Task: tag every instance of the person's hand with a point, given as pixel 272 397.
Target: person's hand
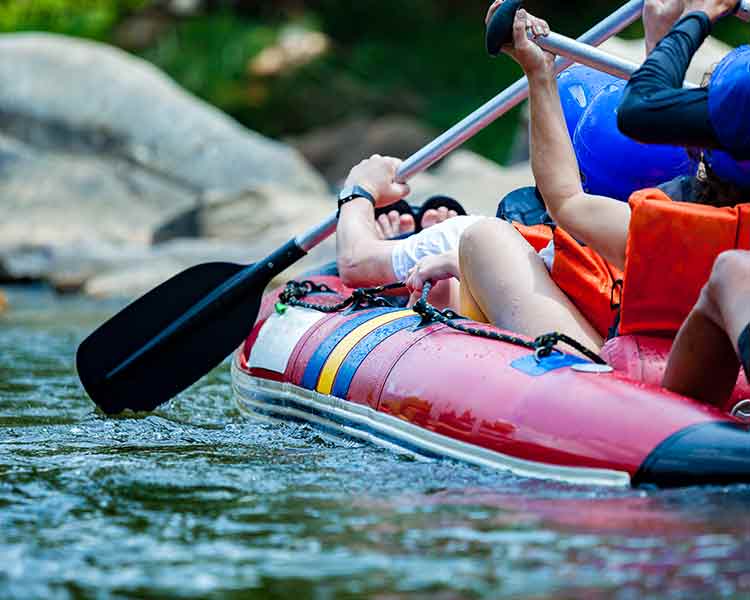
pixel 525 52
pixel 431 269
pixel 377 175
pixel 658 18
pixel 715 9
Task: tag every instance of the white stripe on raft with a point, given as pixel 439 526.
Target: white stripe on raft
pixel 279 337
pixel 349 419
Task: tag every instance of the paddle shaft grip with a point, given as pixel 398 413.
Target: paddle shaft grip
pixel 743 11
pixel 571 49
pixel 500 28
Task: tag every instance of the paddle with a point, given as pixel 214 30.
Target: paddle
pixel 500 33
pixel 168 339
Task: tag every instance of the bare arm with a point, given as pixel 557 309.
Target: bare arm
pixel 658 18
pixel 363 258
pixel 599 222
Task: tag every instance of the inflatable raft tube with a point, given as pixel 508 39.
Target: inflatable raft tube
pixel 378 375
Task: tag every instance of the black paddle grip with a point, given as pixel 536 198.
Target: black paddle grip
pixel 500 29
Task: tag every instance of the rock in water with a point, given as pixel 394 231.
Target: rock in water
pixel 99 148
pixel 3 301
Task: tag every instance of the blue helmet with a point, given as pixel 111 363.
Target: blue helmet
pixel 729 108
pixel 729 169
pixel 614 165
pixel 578 86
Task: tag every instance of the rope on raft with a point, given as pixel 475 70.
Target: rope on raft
pixel 543 346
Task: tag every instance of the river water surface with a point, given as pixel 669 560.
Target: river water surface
pixel 195 501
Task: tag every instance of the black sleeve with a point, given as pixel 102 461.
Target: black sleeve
pixel 655 108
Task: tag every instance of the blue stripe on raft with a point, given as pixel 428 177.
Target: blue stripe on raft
pixel 358 354
pixel 319 358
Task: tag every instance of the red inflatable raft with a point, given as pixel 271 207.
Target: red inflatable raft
pixel 377 374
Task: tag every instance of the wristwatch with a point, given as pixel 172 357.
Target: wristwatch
pixel 352 192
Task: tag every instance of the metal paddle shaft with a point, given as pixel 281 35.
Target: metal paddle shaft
pixel 168 339
pixel 485 115
pixel 512 96
pixel 591 57
pixel 500 33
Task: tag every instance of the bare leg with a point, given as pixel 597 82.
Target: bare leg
pixel 445 294
pixel 704 360
pixel 503 276
pixel 469 306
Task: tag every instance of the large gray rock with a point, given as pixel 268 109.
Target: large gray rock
pixel 78 95
pixel 98 150
pixel 52 199
pixel 273 213
pixel 333 150
pixel 133 275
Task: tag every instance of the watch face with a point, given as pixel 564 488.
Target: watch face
pixel 347 192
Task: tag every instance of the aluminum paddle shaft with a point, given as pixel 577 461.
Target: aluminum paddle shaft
pixel 483 116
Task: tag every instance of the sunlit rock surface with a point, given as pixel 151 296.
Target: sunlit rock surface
pixel 99 150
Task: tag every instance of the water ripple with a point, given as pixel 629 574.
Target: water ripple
pixel 193 501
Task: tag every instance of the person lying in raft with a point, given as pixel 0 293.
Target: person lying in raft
pixel 504 280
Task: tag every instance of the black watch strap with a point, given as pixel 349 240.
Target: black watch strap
pixel 354 192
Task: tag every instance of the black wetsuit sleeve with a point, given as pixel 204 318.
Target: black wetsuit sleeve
pixel 655 108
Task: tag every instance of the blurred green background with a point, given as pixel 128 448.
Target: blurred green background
pixel 422 58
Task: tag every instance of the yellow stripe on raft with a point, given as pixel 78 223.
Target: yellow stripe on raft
pixel 339 354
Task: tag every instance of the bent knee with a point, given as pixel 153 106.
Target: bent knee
pixel 486 233
pixel 730 275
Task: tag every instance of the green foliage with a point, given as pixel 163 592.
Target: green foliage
pixel 84 18
pixel 209 56
pixel 423 57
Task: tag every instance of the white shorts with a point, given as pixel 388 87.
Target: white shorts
pixel 440 239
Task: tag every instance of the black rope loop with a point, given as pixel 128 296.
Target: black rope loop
pixel 543 346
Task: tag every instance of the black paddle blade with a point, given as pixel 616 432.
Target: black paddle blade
pixel 500 29
pixel 171 337
pixel 160 375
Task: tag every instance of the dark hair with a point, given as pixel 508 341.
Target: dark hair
pixel 713 190
pixel 709 188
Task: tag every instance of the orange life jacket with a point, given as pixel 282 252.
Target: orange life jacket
pixel 671 250
pixel 539 236
pixel 586 278
pixel 591 283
